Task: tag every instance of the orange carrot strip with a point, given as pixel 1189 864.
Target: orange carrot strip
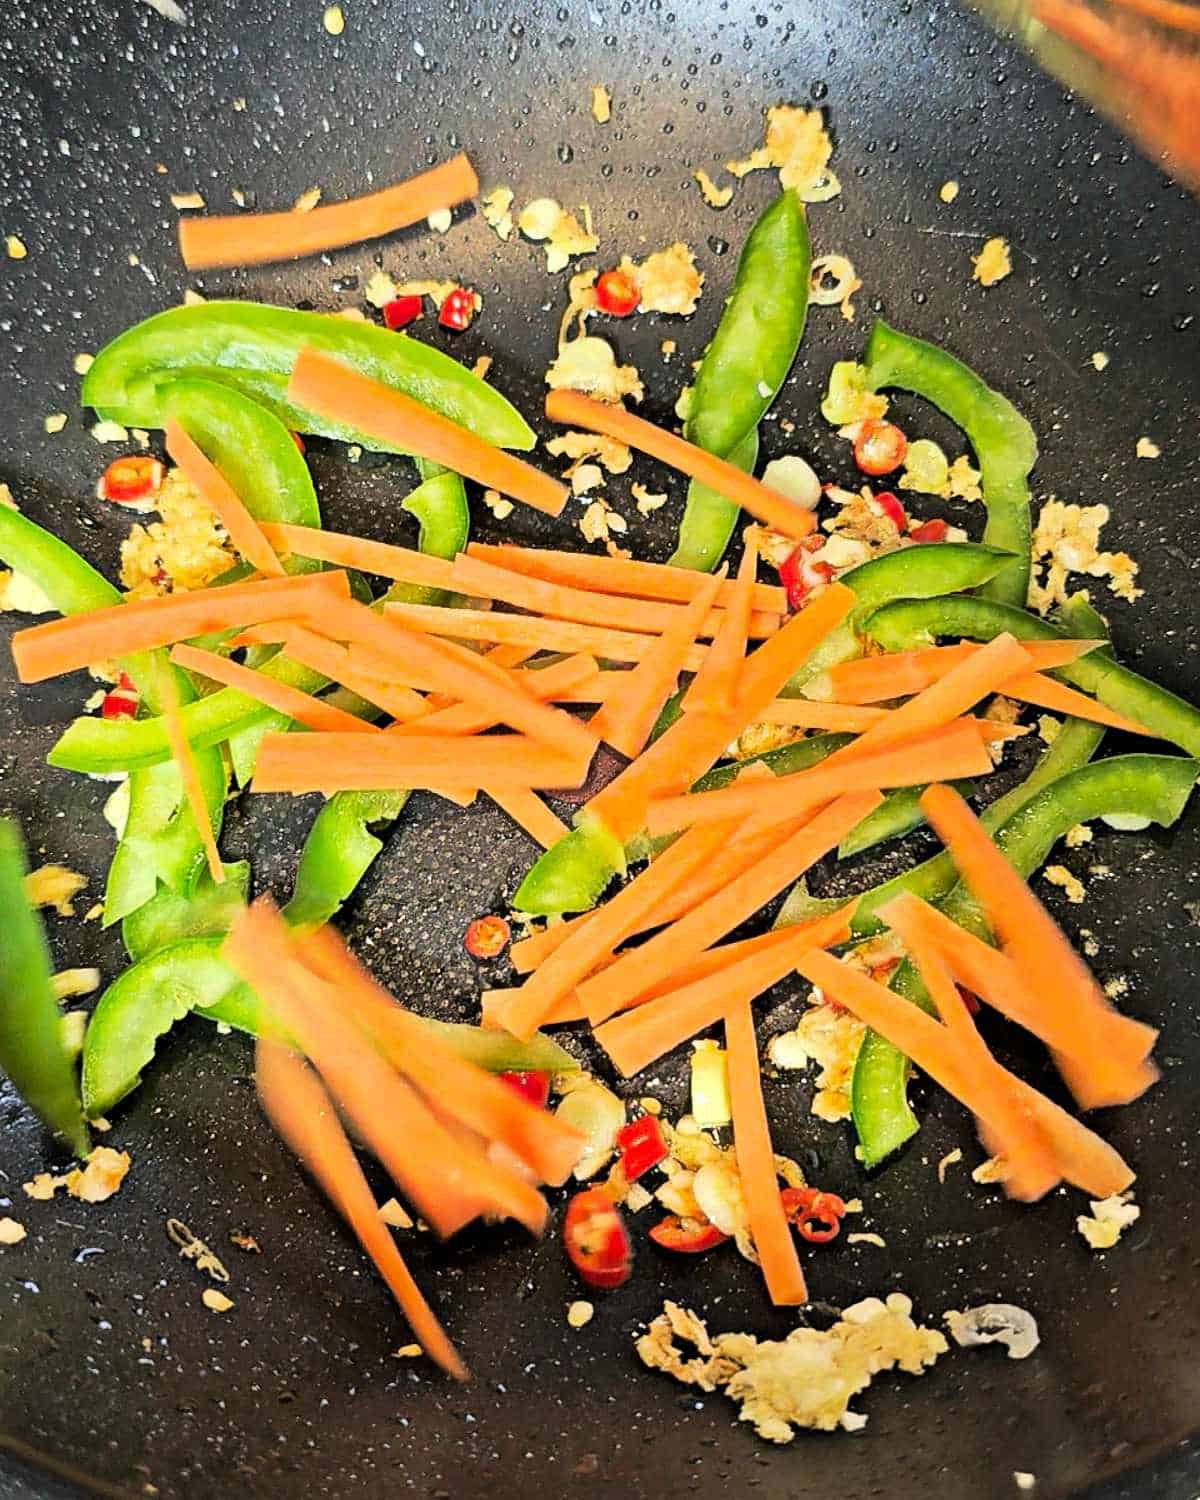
pixel 1084 1159
pixel 759 500
pixel 554 980
pixel 303 1113
pixel 494 1003
pixel 871 679
pixel 401 563
pixel 181 753
pixel 464 1091
pixel 628 714
pixel 216 491
pixel 256 239
pixel 769 1227
pixel 713 689
pixel 484 580
pixel 839 718
pixel 544 683
pixel 142 624
pixel 310 650
pixel 1025 929
pixel 723 977
pixel 531 630
pixel 618 575
pixel 303 707
pixel 529 812
pixel 1046 692
pixel 951 751
pixel 636 971
pixel 331 389
pixel 695 741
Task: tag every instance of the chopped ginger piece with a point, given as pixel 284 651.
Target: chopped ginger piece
pixel 499 506
pixel 714 196
pixel 601 104
pixel 56 886
pixel 333 20
pixel 380 289
pixel 993 263
pixel 579 1314
pixel 1067 540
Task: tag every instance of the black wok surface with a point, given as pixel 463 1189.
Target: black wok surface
pixel 108 1360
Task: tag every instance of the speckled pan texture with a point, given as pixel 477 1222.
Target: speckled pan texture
pixel 108 1359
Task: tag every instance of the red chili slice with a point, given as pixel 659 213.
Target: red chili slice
pixel 641 1145
pixel 596 1240
pixel 532 1086
pixel 815 1215
pixel 617 294
pixel 457 310
pixel 401 311
pixel 487 937
pixel 688 1236
pixel 929 531
pixel 118 706
pixel 892 509
pixel 131 478
pixel 879 447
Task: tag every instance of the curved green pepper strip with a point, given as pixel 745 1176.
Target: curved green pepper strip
pixel 899 813
pixel 337 853
pixel 32 1051
pixel 439 503
pixel 1004 442
pixel 1145 786
pixel 253 346
pixel 744 366
pixel 168 917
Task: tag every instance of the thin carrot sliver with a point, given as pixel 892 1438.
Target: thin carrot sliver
pixel 185 761
pixel 1046 692
pixel 545 683
pixel 755 1155
pixel 78 641
pixel 765 504
pixel 871 679
pixel 308 649
pixel 216 491
pixel 257 239
pixel 296 1103
pixel 713 689
pixel 324 385
pixel 383 558
pixel 628 714
pixel 303 707
pixel 836 718
pixel 530 813
pixel 1083 1158
pixel 618 575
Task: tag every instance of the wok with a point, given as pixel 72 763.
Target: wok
pixel 111 1370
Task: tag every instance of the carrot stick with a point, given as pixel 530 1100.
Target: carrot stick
pixel 1027 932
pixel 627 716
pixel 77 641
pixel 310 650
pixel 764 504
pixel 718 979
pixel 484 580
pixel 494 1003
pixel 303 707
pixel 951 751
pixel 303 1113
pixel 636 971
pixel 257 239
pixel 401 563
pixel 1083 1158
pixel 544 683
pixel 618 575
pixel 331 389
pixel 1104 1061
pixel 694 743
pixel 839 718
pixel 1046 692
pixel 181 753
pixel 531 630
pixel 712 690
pixel 872 679
pixel 528 811
pixel 216 491
pixel 756 1164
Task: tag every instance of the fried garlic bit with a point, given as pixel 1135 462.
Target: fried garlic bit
pixel 547 220
pixel 191 1247
pixel 601 104
pixel 714 196
pixel 993 263
pixel 798 145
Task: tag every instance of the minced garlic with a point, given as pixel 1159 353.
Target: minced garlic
pixel 215 1301
pixel 798 144
pixel 14 247
pixel 380 289
pixel 333 20
pixel 1111 1217
pixel 588 364
pixel 1066 540
pixel 667 281
pixel 307 201
pixel 647 501
pixel 187 200
pixel 439 220
pixel 12 1232
pixel 56 886
pixel 830 1037
pixel 1146 448
pixel 1100 360
pixel 948 191
pixel 564 236
pixel 1070 884
pixel 186 549
pixel 993 263
pixel 601 104
pixel 579 1314
pixel 55 422
pixel 499 506
pixel 109 432
pixel 496 208
pixel 613 456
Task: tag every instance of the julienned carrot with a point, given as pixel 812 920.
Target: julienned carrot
pixel 471 678
pixel 769 1227
pixel 185 761
pixel 719 978
pixel 950 751
pixel 303 707
pixel 331 389
pixel 1047 692
pixel 641 968
pixel 494 1003
pixel 759 500
pixel 1103 1060
pixel 400 563
pixel 310 650
pixel 545 683
pixel 590 942
pixel 695 741
pixel 485 580
pixel 216 491
pixel 838 718
pixel 627 716
pixel 256 239
pixel 477 1099
pixel 871 679
pixel 1083 1158
pixel 713 689
pixel 1027 932
pixel 531 630
pixel 529 812
pixel 78 641
pixel 618 575
pixel 361 763
pixel 304 1115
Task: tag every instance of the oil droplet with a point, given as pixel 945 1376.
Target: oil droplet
pixel 566 153
pixel 820 89
pixel 717 245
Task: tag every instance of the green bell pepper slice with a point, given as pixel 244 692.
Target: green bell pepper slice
pixel 337 853
pixel 169 917
pixel 1004 442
